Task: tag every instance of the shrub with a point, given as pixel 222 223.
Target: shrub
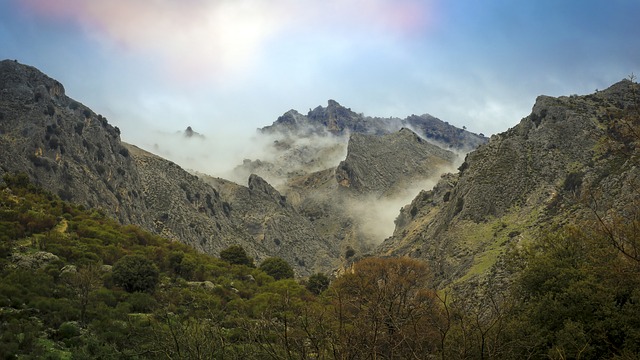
pixel 135 273
pixel 236 255
pixel 317 283
pixel 277 268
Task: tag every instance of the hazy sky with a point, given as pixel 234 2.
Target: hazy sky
pixel 229 66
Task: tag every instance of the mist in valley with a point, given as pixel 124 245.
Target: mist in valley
pixel 281 158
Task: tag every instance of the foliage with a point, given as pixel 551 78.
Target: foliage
pixel 384 307
pixel 135 273
pixel 277 268
pixel 317 283
pixel 576 296
pixel 236 255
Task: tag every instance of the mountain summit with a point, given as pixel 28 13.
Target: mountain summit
pixel 339 120
pixel 558 163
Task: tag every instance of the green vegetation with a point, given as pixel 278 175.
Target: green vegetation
pixel 135 273
pixel 76 285
pixel 318 283
pixel 236 255
pixel 277 268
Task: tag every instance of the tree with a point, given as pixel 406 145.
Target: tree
pixel 382 310
pixel 236 255
pixel 84 281
pixel 277 268
pixel 317 283
pixel 136 273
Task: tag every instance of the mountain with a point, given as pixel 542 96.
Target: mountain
pixel 69 150
pixel 64 146
pixel 355 202
pixel 555 167
pixel 298 145
pixel 387 164
pixel 339 120
pixel 75 153
pixel 529 249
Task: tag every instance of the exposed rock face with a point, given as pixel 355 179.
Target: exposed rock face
pixel 303 144
pixel 338 120
pixel 385 164
pixel 378 176
pixel 523 181
pixel 64 146
pixel 183 208
pixel 69 150
pixel 275 225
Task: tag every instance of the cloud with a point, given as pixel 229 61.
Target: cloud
pixel 224 36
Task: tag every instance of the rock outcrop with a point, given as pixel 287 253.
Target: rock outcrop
pixel 275 225
pixel 525 181
pixel 339 120
pixel 69 150
pixel 384 165
pixel 64 146
pixel 353 202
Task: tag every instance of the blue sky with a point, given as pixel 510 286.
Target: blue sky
pixel 228 67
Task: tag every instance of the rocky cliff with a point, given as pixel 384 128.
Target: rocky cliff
pixel 64 146
pixel 385 165
pixel 69 150
pixel 533 177
pixel 339 120
pixel 355 203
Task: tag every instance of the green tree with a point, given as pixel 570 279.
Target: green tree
pixel 236 255
pixel 277 268
pixel 136 273
pixel 317 283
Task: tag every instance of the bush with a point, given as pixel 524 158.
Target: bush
pixel 136 273
pixel 142 302
pixel 236 255
pixel 277 268
pixel 317 283
pixel 68 330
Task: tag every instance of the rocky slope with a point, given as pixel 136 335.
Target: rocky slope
pixel 303 144
pixel 64 146
pixel 356 202
pixel 69 150
pixel 339 120
pixel 385 165
pixel 534 176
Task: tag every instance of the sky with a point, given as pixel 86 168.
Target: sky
pixel 227 67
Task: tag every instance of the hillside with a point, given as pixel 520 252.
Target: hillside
pixel 529 250
pixel 76 284
pixel 69 150
pixel 73 152
pixel 551 169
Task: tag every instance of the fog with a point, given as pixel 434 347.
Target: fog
pixel 278 158
pixel 375 215
pixel 234 156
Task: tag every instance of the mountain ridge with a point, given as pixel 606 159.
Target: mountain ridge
pixel 523 182
pixel 73 152
pixel 339 120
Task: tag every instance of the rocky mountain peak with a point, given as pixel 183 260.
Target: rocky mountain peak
pixel 339 120
pixel 524 180
pixel 67 149
pixel 28 83
pixel 63 145
pixel 382 164
pixel 258 184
